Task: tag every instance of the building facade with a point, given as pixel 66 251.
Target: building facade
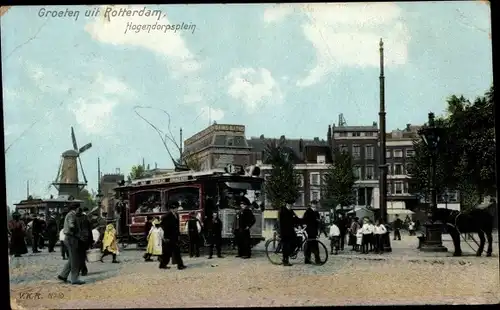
pixel 108 182
pixel 312 159
pixel 362 143
pixel 219 145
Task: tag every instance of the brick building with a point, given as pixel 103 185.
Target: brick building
pixel 219 145
pixel 362 143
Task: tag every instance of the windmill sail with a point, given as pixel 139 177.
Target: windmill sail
pixel 73 139
pixel 85 147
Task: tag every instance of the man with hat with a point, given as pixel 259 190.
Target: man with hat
pixel 311 219
pixel 86 239
pixel 72 237
pixel 194 230
pixel 51 232
pixel 246 221
pixel 287 220
pixel 170 247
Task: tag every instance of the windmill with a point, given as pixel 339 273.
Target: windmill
pixel 67 182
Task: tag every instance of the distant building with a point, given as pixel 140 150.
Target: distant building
pixel 312 159
pixel 107 184
pixel 219 145
pixel 362 143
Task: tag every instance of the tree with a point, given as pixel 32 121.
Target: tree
pixel 136 172
pixel 192 161
pixel 283 183
pixel 89 199
pixel 467 152
pixel 339 180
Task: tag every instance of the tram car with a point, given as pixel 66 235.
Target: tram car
pixel 57 207
pixel 202 192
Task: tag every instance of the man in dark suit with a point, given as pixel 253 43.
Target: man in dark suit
pixel 246 221
pixel 287 220
pixel 170 247
pixel 86 239
pixel 311 218
pixel 36 233
pixel 215 235
pixel 52 232
pixel 194 233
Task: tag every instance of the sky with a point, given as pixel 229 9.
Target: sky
pixel 282 69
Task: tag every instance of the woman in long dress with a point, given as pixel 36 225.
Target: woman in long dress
pixel 155 238
pixel 17 232
pixel 109 243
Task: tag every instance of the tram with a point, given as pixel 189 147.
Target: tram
pixel 201 192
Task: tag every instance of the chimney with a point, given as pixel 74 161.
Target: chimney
pixel 375 124
pixel 282 137
pixel 261 137
pixel 156 165
pixel 408 127
pixel 301 146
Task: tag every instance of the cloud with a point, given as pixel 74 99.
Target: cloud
pixel 211 114
pixel 193 98
pixel 169 44
pixel 347 35
pixel 93 114
pixel 253 87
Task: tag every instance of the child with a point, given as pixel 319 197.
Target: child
pixel 64 250
pixel 359 239
pixel 367 231
pixel 109 243
pixel 379 233
pixel 334 236
pixel 155 239
pixel 411 228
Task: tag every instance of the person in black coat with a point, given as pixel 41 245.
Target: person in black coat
pixel 194 230
pixel 287 220
pixel 214 233
pixel 17 230
pixel 246 221
pixel 170 247
pixel 343 225
pixel 52 233
pixel 311 219
pixel 86 239
pixel 36 233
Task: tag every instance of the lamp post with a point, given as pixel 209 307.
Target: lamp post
pixel 431 135
pixel 445 197
pixel 382 160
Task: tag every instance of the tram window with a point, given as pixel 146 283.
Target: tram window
pixel 188 197
pixel 148 202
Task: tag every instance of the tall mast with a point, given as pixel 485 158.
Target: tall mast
pixel 27 189
pixel 180 147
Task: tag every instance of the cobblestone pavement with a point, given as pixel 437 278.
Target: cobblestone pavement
pixel 404 276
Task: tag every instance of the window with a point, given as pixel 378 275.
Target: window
pixel 408 168
pixel 369 151
pixel 315 195
pixel 398 153
pixel 410 153
pixel 187 197
pixel 369 134
pixel 369 172
pixel 344 148
pixel 398 187
pixel 300 200
pixel 342 134
pixel 398 169
pixel 356 151
pixel 320 159
pixel 357 172
pixel 314 179
pixel 356 134
pixel 301 179
pixel 388 154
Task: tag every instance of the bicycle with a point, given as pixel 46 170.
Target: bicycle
pixel 274 248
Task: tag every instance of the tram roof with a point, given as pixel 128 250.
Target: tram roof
pixel 185 176
pixel 36 201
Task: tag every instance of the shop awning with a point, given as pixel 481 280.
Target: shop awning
pixel 399 211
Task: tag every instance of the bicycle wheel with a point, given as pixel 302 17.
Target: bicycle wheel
pixel 274 251
pixel 322 251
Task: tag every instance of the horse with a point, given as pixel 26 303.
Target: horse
pixel 477 220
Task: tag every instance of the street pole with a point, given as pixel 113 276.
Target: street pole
pixel 433 235
pixel 382 161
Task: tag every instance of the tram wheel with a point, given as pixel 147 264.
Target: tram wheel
pixel 322 251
